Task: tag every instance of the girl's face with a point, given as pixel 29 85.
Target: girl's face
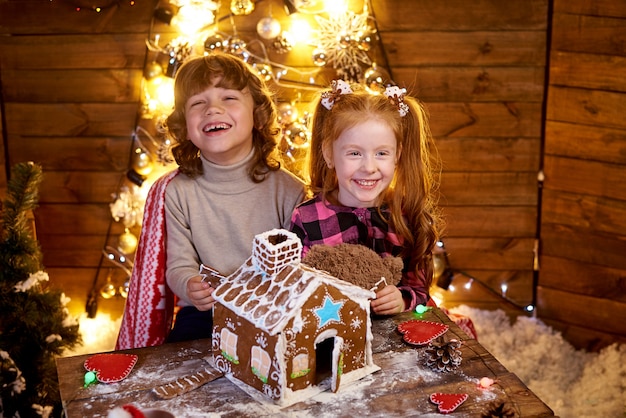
pixel 364 158
pixel 220 122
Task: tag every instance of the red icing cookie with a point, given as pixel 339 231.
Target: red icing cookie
pixel 421 332
pixel 448 402
pixel 110 367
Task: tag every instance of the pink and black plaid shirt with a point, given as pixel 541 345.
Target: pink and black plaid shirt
pixel 316 221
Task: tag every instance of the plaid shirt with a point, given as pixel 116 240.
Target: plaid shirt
pixel 316 221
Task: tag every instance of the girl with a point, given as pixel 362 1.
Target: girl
pixel 370 169
pixel 224 126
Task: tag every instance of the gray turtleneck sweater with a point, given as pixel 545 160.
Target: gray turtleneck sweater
pixel 212 219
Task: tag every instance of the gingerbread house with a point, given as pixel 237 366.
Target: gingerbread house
pixel 286 330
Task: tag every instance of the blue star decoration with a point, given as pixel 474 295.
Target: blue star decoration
pixel 329 311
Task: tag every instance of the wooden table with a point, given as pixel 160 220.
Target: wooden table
pixel 401 388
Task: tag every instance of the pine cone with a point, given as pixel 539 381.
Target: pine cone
pixel 443 356
pixel 498 410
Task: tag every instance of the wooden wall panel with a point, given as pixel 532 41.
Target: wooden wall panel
pixel 480 70
pixel 71 89
pixel 582 288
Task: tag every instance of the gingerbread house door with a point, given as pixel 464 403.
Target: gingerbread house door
pixel 328 361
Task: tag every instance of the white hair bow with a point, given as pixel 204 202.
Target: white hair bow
pixel 338 87
pixel 396 96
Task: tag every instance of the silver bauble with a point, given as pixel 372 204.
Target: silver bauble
pixel 214 42
pixel 142 162
pixel 287 113
pixel 376 79
pixel 268 28
pixel 319 57
pixel 152 70
pixel 297 136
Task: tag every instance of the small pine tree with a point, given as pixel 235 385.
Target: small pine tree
pixel 35 325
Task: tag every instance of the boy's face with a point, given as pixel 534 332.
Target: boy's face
pixel 364 158
pixel 220 122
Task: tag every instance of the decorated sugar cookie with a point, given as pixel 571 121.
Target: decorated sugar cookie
pixel 448 402
pixel 418 332
pixel 110 367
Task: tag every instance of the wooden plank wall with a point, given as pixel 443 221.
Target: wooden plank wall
pixel 582 280
pixel 70 82
pixel 480 70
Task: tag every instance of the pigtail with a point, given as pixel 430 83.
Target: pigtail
pixel 322 179
pixel 416 189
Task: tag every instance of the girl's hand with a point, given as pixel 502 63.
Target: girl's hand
pixel 199 293
pixel 388 301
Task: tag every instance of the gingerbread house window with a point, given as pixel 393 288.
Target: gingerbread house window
pixel 260 363
pixel 300 365
pixel 228 345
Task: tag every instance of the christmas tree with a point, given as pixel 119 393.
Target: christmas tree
pixel 35 325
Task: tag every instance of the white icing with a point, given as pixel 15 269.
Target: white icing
pixel 281 287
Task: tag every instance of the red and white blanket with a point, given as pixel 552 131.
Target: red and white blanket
pixel 149 308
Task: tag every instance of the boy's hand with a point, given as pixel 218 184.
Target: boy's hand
pixel 199 293
pixel 388 301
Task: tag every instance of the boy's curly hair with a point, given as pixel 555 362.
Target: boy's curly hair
pixel 226 71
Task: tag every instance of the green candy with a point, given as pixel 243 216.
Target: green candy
pixel 90 377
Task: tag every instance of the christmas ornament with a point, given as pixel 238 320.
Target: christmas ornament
pixel 268 28
pixel 178 51
pixel 364 40
pixel 264 71
pixel 111 367
pixel 127 242
pixel 340 35
pixel 214 42
pixel 282 44
pixel 448 402
pixel 376 78
pixel 287 113
pixel 297 136
pixel 142 162
pixel 241 7
pixel 420 332
pixel 443 356
pixel 108 290
pixel 236 46
pixel 152 70
pixel 319 57
pixel 123 290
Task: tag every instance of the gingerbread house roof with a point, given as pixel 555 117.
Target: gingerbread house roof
pixel 271 286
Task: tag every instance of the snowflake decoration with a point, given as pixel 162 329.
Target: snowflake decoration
pixel 339 36
pixel 261 340
pixel 359 359
pixel 230 324
pixel 356 323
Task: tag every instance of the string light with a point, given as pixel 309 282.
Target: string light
pixel 444 276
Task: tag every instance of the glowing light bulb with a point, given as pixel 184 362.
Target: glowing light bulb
pixel 485 383
pixel 420 309
pixel 335 7
pixel 300 29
